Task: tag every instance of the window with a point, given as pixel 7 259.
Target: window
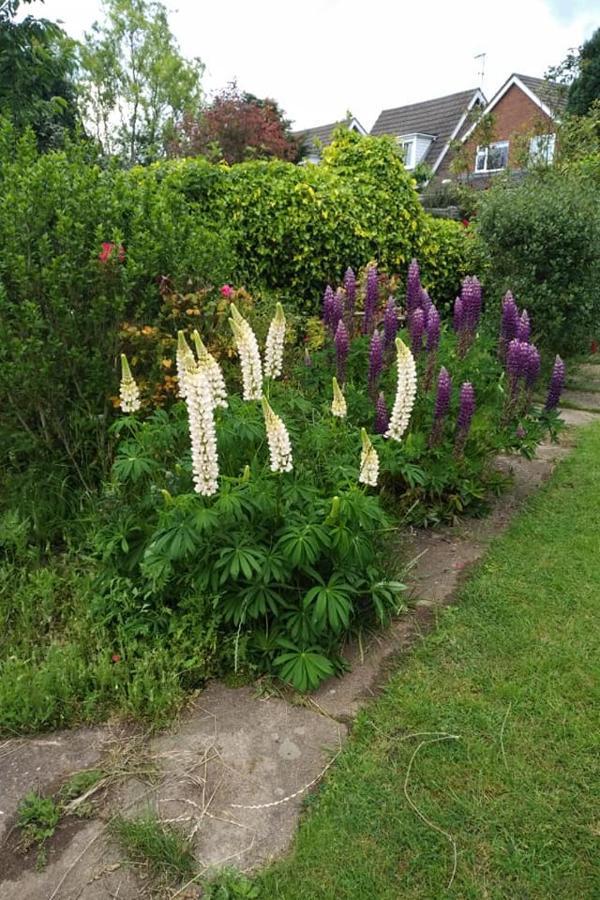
pixel 541 149
pixel 408 151
pixel 492 158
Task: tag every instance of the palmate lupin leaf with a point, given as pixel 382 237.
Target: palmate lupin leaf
pixel 304 668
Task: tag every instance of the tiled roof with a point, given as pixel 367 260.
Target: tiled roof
pixel 552 95
pixel 438 117
pixel 321 136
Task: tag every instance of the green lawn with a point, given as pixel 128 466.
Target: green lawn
pixel 513 670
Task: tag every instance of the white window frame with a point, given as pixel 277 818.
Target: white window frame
pixel 483 154
pixel 409 146
pixel 541 149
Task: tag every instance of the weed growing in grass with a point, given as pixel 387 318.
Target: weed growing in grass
pixel 163 849
pixel 37 818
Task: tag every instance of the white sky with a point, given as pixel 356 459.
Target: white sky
pixel 320 58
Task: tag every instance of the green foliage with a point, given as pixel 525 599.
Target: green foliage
pixel 165 850
pixel 37 818
pixel 543 241
pixel 585 88
pixel 132 71
pixel 37 67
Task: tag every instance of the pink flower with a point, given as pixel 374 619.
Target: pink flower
pixel 116 657
pixel 108 250
pixel 227 291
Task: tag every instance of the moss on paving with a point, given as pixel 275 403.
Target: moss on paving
pixel 513 669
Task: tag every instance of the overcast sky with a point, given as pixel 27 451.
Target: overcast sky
pixel 320 58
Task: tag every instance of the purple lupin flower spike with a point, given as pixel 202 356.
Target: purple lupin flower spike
pixel 337 310
pixel 458 317
pixel 426 303
pixel 471 298
pixel 342 346
pixel 514 359
pixel 510 318
pixel 433 329
pixel 416 327
pixel 532 369
pixel 413 286
pixel 390 323
pixel 327 304
pixel 371 298
pixel 524 327
pixel 375 359
pixel 442 405
pixel 350 288
pixel 382 416
pixel 557 381
pixel 466 411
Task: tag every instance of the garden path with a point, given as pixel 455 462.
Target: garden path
pixel 234 769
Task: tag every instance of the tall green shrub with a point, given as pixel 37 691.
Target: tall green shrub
pixel 543 241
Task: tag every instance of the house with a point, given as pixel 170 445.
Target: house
pixel 523 119
pixel 314 139
pixel 427 131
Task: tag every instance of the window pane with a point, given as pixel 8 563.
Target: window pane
pixel 498 156
pixel 480 159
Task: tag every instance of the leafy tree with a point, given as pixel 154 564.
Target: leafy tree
pixel 237 126
pixel 135 83
pixel 37 62
pixel 586 86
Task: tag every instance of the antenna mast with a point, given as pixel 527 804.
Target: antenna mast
pixel 481 73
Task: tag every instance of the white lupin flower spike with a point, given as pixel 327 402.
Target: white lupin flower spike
pixel 274 344
pixel 250 362
pixel 280 448
pixel 128 391
pixel 338 404
pixel 203 437
pixel 185 363
pixel 369 461
pixel 215 376
pixel 406 391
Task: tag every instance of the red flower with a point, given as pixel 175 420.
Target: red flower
pixel 108 250
pixel 227 291
pixel 116 657
pixel 465 222
pixel 594 347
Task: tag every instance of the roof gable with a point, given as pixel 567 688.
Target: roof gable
pixel 442 117
pixel 547 96
pixel 322 135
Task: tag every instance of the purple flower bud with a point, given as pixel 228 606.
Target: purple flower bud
pixel 416 327
pixel 510 318
pixel 382 417
pixel 371 298
pixel 442 397
pixel 532 365
pixel 523 327
pixel 413 286
pixel 466 407
pixel 350 288
pixel 390 322
pixel 471 300
pixel 327 304
pixel 375 358
pixel 342 346
pixel 557 382
pixel 337 310
pixel 458 318
pixel 433 329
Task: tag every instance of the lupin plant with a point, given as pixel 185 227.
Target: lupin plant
pixel 468 313
pixel 195 383
pixel 250 361
pixel 350 290
pixel 342 347
pixel 328 296
pixel 458 318
pixel 339 408
pixel 337 310
pixel 413 286
pixel 375 361
pixel 524 328
pixel 416 327
pixel 382 416
pixel 557 382
pixel 129 393
pixel 406 389
pixel 442 405
pixel 280 448
pixel 509 324
pixel 369 461
pixel 371 299
pixel 275 343
pixel 213 370
pixel 390 323
pixel 433 332
pixel 466 411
